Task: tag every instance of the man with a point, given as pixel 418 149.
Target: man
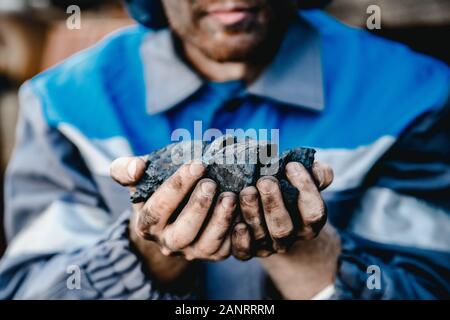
pixel 375 111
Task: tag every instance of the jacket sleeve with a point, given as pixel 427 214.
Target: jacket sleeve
pixel 63 241
pixel 401 229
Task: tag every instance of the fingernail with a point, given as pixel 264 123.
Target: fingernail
pixel 293 169
pixel 196 169
pixel 228 202
pixel 132 168
pixel 208 188
pixel 250 199
pixel 266 186
pixel 241 230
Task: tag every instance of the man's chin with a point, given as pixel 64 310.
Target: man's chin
pixel 235 50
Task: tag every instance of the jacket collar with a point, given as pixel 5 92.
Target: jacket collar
pixel 294 77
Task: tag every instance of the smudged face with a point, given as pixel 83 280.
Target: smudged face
pixel 228 30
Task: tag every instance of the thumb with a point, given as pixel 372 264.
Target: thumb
pixel 127 170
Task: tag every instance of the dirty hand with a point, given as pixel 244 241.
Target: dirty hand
pixel 267 226
pixel 193 234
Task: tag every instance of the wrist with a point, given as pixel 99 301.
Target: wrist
pixel 308 267
pixel 164 269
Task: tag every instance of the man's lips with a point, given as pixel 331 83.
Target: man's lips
pixel 230 14
pixel 230 17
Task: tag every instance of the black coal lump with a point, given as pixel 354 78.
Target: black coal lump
pixel 232 164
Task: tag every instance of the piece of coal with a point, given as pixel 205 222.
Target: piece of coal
pixel 232 164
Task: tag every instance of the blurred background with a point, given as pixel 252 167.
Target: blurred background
pixel 34 36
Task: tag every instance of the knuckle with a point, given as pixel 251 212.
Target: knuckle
pixel 160 207
pixel 175 182
pixel 222 226
pixel 253 220
pixel 174 241
pixel 219 224
pixel 144 227
pixel 271 204
pixel 202 202
pixel 319 214
pixel 282 234
pixel 149 217
pixel 304 175
pixel 178 243
pixel 158 204
pixel 224 220
pixel 305 184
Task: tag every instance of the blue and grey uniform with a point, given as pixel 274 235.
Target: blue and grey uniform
pixel 375 111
